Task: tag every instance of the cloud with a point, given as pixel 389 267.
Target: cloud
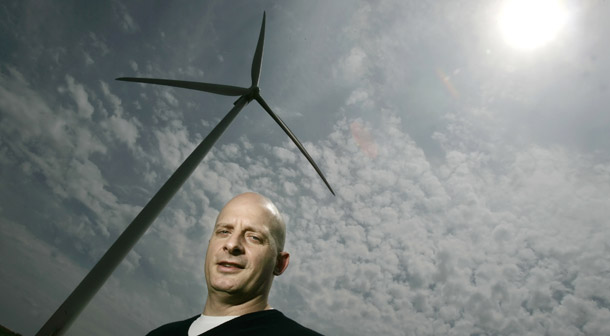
pixel 353 66
pixel 79 95
pixel 122 129
pixel 98 44
pixel 174 144
pixel 126 21
pixel 58 144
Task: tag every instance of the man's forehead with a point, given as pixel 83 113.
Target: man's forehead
pixel 251 203
pixel 245 213
pixel 244 210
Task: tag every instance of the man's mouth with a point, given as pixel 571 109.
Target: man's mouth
pixel 230 265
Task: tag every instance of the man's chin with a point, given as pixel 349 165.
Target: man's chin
pixel 229 287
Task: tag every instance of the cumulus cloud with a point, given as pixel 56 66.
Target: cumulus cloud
pixel 79 95
pixel 353 66
pixel 125 20
pixel 121 128
pixel 66 163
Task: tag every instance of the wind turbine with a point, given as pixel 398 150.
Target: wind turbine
pixel 60 321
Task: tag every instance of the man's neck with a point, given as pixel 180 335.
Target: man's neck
pixel 218 306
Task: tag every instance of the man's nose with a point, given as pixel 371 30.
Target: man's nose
pixel 234 244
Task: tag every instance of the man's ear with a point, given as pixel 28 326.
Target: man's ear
pixel 283 259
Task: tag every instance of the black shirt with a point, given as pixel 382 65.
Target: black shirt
pixel 265 322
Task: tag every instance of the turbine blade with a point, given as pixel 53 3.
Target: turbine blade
pixel 226 90
pixel 258 54
pixel 294 139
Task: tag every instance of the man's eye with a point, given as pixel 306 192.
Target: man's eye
pixel 256 238
pixel 222 231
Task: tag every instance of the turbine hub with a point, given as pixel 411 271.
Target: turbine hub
pixel 254 92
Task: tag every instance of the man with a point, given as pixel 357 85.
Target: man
pixel 245 252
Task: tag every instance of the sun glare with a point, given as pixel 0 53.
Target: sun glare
pixel 528 24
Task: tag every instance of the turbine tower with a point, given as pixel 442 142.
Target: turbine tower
pixel 60 321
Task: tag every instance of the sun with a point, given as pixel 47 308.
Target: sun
pixel 529 24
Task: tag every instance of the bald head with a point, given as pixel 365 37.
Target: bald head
pixel 245 253
pixel 259 205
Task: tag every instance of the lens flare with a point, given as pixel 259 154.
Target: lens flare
pixel 364 139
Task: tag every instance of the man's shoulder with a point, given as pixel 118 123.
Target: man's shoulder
pixel 298 328
pixel 174 328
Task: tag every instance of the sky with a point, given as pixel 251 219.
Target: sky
pixel 472 171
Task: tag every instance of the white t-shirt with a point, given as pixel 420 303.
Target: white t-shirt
pixel 204 323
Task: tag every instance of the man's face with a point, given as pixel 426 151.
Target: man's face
pixel 242 253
